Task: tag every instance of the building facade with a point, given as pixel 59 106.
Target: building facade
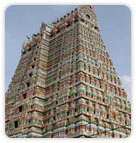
pixel 65 84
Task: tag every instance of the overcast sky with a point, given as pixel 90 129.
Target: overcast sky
pixel 114 23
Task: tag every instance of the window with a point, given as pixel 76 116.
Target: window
pixel 88 16
pixel 24 96
pixel 30 121
pixel 32 66
pixel 82 20
pixel 30 74
pixel 29 49
pixel 20 108
pixel 95 27
pixel 28 84
pixel 16 124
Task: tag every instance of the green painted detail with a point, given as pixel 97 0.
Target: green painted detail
pixel 50 25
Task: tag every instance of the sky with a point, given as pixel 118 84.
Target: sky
pixel 114 24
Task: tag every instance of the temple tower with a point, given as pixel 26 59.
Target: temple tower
pixel 66 85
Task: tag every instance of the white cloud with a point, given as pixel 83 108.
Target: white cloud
pixel 126 81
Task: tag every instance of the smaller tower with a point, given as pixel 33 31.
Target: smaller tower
pixel 27 89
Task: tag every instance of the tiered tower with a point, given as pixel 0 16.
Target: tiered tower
pixel 66 85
